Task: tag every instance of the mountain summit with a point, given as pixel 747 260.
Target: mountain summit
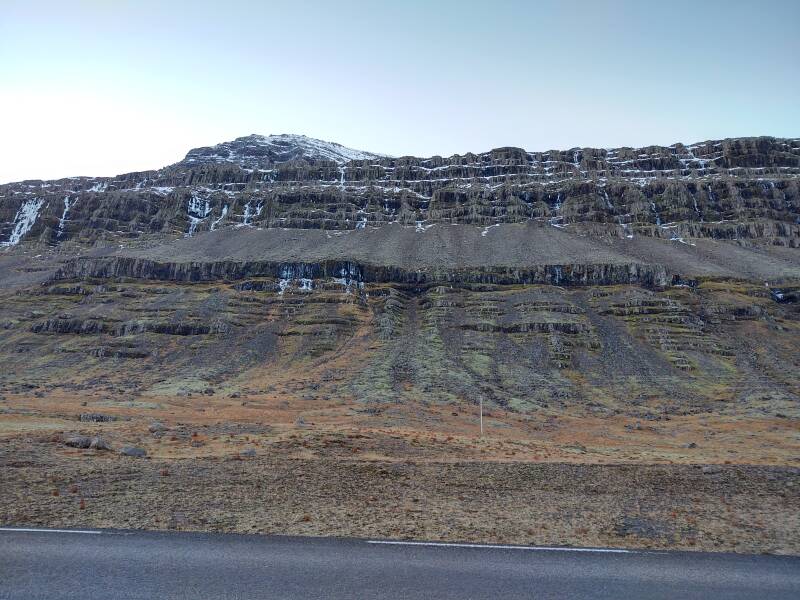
pixel 260 151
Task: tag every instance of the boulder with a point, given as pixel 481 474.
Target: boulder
pixel 78 441
pixel 157 427
pixel 133 451
pixel 98 443
pixel 85 442
pixel 96 418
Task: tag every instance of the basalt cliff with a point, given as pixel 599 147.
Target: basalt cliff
pixel 650 281
pixel 736 189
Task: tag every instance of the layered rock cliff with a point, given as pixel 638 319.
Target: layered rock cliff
pixel 738 189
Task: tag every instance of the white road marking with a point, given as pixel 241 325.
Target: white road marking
pixel 384 542
pixel 503 547
pixel 31 530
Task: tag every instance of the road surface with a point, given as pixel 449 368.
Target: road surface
pixel 120 564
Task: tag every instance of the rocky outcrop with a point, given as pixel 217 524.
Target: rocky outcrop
pixel 357 273
pixel 530 327
pixel 95 327
pixel 746 188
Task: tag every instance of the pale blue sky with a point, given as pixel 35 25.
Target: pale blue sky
pixel 103 87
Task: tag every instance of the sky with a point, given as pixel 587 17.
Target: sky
pixel 91 87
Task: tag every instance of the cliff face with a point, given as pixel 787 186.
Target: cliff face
pixel 651 281
pixel 741 189
pixel 358 274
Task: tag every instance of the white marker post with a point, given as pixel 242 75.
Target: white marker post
pixel 481 405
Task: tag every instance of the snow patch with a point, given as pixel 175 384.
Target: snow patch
pixel 221 217
pixel 63 218
pixel 249 213
pixel 557 220
pixel 301 273
pixel 349 276
pixel 628 230
pixel 285 147
pixel 676 238
pixel 486 229
pixel 609 206
pixel 655 211
pixel 24 220
pixel 198 209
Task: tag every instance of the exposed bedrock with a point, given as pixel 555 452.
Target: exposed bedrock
pixel 565 275
pixel 94 327
pixel 745 188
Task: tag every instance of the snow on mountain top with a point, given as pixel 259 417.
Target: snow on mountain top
pixel 261 151
pixel 314 148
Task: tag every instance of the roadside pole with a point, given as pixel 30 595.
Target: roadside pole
pixel 481 405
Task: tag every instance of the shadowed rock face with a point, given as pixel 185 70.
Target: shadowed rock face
pixel 580 274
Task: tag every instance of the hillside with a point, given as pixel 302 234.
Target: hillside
pixel 306 301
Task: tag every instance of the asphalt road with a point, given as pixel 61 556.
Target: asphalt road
pixel 122 565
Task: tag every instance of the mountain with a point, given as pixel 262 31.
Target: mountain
pixel 730 189
pixel 262 152
pixel 307 339
pixel 652 282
